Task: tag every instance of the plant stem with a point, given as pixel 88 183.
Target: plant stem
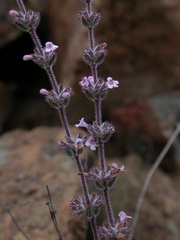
pixel 98 115
pixel 21 6
pixel 53 214
pixel 64 122
pixel 17 225
pixel 149 176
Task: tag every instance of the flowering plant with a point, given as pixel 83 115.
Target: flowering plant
pixel 95 89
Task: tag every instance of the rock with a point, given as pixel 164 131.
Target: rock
pixel 143 42
pixel 28 162
pixel 31 159
pixel 7 30
pixel 159 217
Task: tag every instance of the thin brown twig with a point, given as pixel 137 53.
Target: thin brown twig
pixel 53 214
pixel 17 225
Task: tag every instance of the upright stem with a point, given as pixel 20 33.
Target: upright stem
pixel 109 206
pixel 98 119
pixel 36 40
pixel 52 78
pixel 64 122
pixel 21 6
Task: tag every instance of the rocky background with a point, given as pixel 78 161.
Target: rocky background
pixel 143 44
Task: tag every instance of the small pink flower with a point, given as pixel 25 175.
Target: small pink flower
pixel 91 143
pixel 122 169
pixel 27 57
pixel 66 95
pixel 44 92
pixel 86 80
pixel 13 13
pixel 122 216
pixel 79 143
pixel 114 165
pixel 118 169
pixel 112 83
pixel 82 123
pixel 50 47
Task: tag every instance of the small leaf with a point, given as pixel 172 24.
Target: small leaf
pixel 97 211
pixel 88 212
pixel 111 183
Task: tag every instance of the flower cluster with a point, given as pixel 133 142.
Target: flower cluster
pixel 92 89
pixel 57 98
pixel 96 89
pixel 46 58
pixel 89 20
pixel 95 56
pixel 107 176
pixel 25 21
pixel 118 231
pixel 78 205
pixel 73 146
pixel 103 131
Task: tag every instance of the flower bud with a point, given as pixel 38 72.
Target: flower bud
pixel 44 92
pixel 27 57
pixel 13 13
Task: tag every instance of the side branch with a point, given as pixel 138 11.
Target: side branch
pixel 53 214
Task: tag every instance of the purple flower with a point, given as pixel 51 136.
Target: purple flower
pixel 66 95
pixel 13 13
pixel 112 83
pixel 86 81
pixel 78 205
pixel 73 145
pixel 103 131
pixel 122 169
pixel 118 231
pixel 44 92
pixel 79 143
pixel 89 20
pixel 122 216
pixel 108 176
pixel 57 98
pixel 25 21
pixel 82 123
pixel 118 169
pixel 45 58
pixel 50 47
pixel 91 143
pixel 28 57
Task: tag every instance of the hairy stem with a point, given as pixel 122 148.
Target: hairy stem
pixel 64 121
pixel 98 113
pixel 21 6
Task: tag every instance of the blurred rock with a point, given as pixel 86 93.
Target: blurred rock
pixel 159 218
pixel 145 126
pixel 7 31
pixel 143 43
pixel 28 162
